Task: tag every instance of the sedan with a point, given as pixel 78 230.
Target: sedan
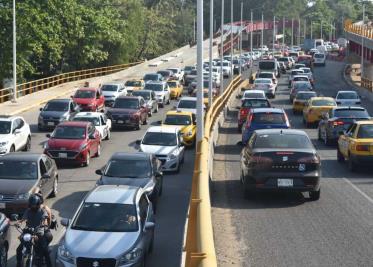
pixel 348 98
pixel 22 174
pixel 280 160
pixel 150 100
pixel 114 226
pixel 74 141
pixel 247 105
pixel 297 87
pixel 99 120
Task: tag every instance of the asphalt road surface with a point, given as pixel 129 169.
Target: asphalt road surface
pixel 286 229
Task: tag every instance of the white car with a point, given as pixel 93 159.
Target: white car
pixel 347 98
pixel 308 72
pixel 111 91
pixel 253 94
pixel 319 59
pixel 294 73
pixel 188 103
pixel 99 120
pixel 162 92
pixel 266 85
pixel 178 73
pixel 227 68
pixel 166 143
pixel 15 134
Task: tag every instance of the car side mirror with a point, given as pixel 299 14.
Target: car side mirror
pixel 99 172
pixel 17 131
pixel 138 142
pixel 41 109
pixel 149 226
pixel 65 222
pixel 48 135
pixel 14 217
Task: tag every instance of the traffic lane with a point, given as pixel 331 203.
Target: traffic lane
pixel 316 233
pixel 75 182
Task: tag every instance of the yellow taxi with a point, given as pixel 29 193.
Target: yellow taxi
pixel 301 98
pixel 134 85
pixel 356 145
pixel 187 122
pixel 315 108
pixel 176 89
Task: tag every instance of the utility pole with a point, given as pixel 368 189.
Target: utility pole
pixel 194 30
pixel 200 109
pixel 305 29
pixel 283 34
pixel 232 48
pixel 274 34
pixel 321 30
pixel 251 31
pixel 311 30
pixel 362 45
pixel 292 33
pixel 261 39
pixel 241 38
pixel 14 99
pixel 210 49
pixel 298 39
pixel 221 46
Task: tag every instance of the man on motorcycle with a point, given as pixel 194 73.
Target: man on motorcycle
pixel 34 217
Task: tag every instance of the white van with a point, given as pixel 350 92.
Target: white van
pixel 319 59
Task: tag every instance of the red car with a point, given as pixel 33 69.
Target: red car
pixel 73 141
pixel 89 99
pixel 247 105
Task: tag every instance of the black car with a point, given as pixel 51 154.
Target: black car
pixel 4 239
pixel 56 111
pixel 339 119
pixel 134 169
pixel 280 159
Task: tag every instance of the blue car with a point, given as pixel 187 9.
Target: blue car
pixel 264 118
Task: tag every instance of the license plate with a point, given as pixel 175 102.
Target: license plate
pixel 50 123
pixel 2 205
pixel 120 121
pixel 62 155
pixel 284 182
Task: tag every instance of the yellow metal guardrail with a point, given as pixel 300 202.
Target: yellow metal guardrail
pixel 199 241
pixel 366 83
pixel 359 29
pixel 45 83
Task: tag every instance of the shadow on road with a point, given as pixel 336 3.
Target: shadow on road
pixel 67 205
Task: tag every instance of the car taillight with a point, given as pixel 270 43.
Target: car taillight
pixel 249 121
pixel 338 123
pixel 362 147
pixel 311 159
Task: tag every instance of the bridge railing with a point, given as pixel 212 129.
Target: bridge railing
pixel 367 83
pixel 45 83
pixel 199 241
pixel 364 31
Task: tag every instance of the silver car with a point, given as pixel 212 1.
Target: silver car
pixel 150 100
pixel 113 227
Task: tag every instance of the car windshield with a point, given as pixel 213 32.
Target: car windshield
pixel 283 141
pixel 178 120
pixel 255 103
pixel 172 84
pixel 306 70
pixel 128 168
pixel 323 102
pixel 56 106
pixel 299 86
pixel 266 75
pixel 106 217
pixel 319 56
pixel 263 81
pixel 154 87
pixel 365 131
pixel 126 103
pixel 188 68
pixel 253 95
pixel 193 72
pixel 164 73
pixel 18 170
pixel 133 83
pixel 269 118
pixel 267 65
pixel 300 79
pixel 68 132
pixel 305 96
pixel 296 72
pixel 144 94
pixel 187 104
pixel 347 95
pixel 159 139
pixel 351 113
pixel 151 77
pixel 95 121
pixel 5 127
pixel 109 88
pixel 85 94
pixel 173 70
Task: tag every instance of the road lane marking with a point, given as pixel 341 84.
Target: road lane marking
pixel 359 190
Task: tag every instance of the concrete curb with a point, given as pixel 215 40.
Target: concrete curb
pixel 362 91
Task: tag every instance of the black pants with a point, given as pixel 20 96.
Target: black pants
pixel 41 248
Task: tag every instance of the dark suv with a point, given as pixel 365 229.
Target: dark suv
pixel 56 111
pixel 129 111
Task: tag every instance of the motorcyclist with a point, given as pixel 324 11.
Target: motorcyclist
pixel 34 217
pixel 51 220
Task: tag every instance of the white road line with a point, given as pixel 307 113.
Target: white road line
pixel 358 190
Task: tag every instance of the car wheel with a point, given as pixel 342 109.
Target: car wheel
pixel 150 113
pixel 55 188
pixel 145 122
pixel 314 195
pixel 178 168
pixel 108 135
pixel 151 245
pixel 351 164
pixel 340 157
pixel 319 135
pixel 138 127
pixel 12 149
pixel 168 101
pixel 98 153
pixel 28 144
pixel 3 256
pixel 87 160
pixel 156 109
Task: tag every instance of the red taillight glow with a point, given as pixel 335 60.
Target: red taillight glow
pixel 249 121
pixel 243 112
pixel 284 153
pixel 338 123
pixel 311 159
pixel 362 147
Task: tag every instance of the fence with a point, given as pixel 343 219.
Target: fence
pixel 45 83
pixel 360 30
pixel 199 242
pixel 366 83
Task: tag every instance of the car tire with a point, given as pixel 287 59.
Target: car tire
pixel 351 164
pixel 156 109
pixel 178 168
pixel 3 256
pixel 168 101
pixel 315 195
pixel 340 157
pixel 108 135
pixel 98 153
pixel 138 127
pixel 145 122
pixel 28 144
pixel 151 245
pixel 150 113
pixel 12 149
pixel 87 160
pixel 55 188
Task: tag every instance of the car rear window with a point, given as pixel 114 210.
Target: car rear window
pixel 351 113
pixel 365 131
pixel 283 141
pixel 253 95
pixel 265 75
pixel 323 102
pixel 319 56
pixel 255 103
pixel 269 118
pixel 347 96
pixel 300 79
pixel 305 96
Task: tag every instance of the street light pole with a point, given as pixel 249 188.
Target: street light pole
pixel 14 54
pixel 298 39
pixel 321 30
pixel 311 30
pixel 210 50
pixel 262 36
pixel 241 38
pixel 362 46
pixel 251 32
pixel 274 34
pixel 221 46
pixel 200 109
pixel 283 34
pixel 232 39
pixel 292 33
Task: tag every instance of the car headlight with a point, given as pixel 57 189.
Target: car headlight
pixel 4 143
pixel 23 196
pixel 46 146
pixel 131 256
pixel 83 146
pixel 65 254
pixel 190 133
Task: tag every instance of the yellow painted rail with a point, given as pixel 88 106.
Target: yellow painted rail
pixel 359 29
pixel 199 242
pixel 45 83
pixel 366 83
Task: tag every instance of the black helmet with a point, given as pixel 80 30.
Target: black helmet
pixel 34 201
pixel 40 196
